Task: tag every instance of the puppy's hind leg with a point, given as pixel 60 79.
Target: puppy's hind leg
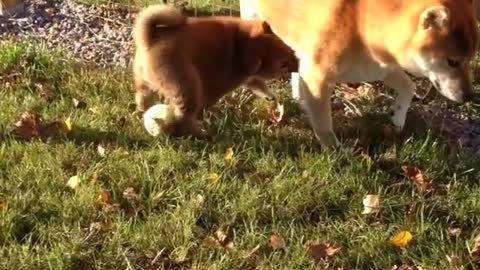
pixel 182 87
pixel 405 88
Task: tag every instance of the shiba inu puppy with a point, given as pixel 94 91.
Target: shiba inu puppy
pixel 193 62
pixel 369 40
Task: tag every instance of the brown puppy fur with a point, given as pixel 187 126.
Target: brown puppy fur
pixel 193 62
pixel 369 40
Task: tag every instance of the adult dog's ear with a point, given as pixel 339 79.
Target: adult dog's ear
pixel 266 28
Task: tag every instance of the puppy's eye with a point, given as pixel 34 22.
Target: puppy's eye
pixel 284 65
pixel 453 63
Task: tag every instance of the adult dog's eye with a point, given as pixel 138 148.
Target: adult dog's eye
pixel 453 63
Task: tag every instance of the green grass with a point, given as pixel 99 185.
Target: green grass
pixel 279 182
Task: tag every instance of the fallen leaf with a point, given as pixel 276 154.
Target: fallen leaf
pixel 73 182
pixel 251 253
pixel 278 111
pixel 122 121
pixel 104 197
pixel 101 150
pixel 416 175
pixel 44 92
pixel 159 195
pixel 213 178
pixel 29 126
pixel 198 200
pixel 219 239
pixel 94 110
pixel 277 242
pixel 95 227
pixel 3 206
pixel 476 250
pixel 454 261
pixel 371 204
pixel 79 104
pixel 321 252
pixel 229 154
pixel 130 194
pixel 401 239
pixel 68 125
pixel 405 267
pixel 455 232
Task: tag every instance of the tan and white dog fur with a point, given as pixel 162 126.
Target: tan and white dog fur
pixel 370 40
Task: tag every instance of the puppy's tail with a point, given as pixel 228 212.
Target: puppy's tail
pixel 153 18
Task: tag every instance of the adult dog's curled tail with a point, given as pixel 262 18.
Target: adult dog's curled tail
pixel 154 18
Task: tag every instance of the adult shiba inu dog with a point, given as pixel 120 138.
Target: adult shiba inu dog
pixel 367 40
pixel 193 62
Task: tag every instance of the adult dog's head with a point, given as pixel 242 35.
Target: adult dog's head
pixel 445 42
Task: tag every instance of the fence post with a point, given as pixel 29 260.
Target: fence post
pixel 11 7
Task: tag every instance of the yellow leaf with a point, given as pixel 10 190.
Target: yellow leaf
pixel 371 204
pixel 229 154
pixel 401 239
pixel 68 125
pixel 213 178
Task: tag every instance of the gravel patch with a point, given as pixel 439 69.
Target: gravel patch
pixel 92 34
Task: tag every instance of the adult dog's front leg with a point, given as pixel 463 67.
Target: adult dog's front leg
pixel 315 98
pixel 405 89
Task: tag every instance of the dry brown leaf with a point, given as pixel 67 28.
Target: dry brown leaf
pixel 278 110
pixel 277 242
pixel 219 239
pixel 30 126
pixel 101 150
pixel 130 194
pixel 321 252
pixel 455 232
pixel 79 104
pixel 251 253
pixel 476 250
pixel 454 261
pixel 229 154
pixel 44 91
pixel 198 200
pixel 122 122
pixel 104 197
pixel 3 206
pixel 416 175
pixel 371 204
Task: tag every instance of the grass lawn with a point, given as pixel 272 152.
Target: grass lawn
pixel 160 203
